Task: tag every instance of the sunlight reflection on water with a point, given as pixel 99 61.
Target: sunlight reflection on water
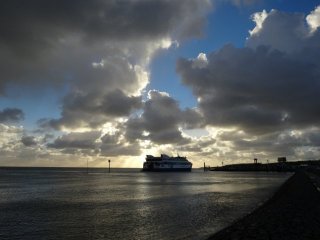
pixel 128 204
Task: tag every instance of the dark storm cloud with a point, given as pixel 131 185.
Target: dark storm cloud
pixel 191 118
pixel 199 145
pixel 93 109
pixel 266 94
pixel 97 97
pixel 134 129
pixel 284 143
pixel 115 103
pixel 91 143
pixel 38 23
pixel 270 86
pixel 28 141
pixel 293 31
pixel 168 136
pixel 257 90
pixel 120 150
pixel 11 114
pixel 160 112
pixel 161 119
pixel 34 34
pixel 93 47
pixel 76 140
pixel 115 145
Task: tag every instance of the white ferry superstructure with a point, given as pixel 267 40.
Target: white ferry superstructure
pixel 164 163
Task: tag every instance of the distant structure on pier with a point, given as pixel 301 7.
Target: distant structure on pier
pixel 255 160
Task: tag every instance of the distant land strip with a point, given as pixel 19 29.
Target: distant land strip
pixel 291 166
pixel 292 213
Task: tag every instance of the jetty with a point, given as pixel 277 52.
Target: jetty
pixel 282 165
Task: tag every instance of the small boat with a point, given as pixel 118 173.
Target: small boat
pixel 164 163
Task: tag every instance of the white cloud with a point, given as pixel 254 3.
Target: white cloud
pixel 201 61
pixel 9 134
pixel 313 19
pixel 258 18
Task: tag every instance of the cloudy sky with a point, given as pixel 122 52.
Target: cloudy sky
pixel 213 80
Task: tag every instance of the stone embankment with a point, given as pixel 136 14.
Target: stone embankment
pixel 292 213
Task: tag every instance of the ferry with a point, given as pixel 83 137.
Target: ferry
pixel 164 163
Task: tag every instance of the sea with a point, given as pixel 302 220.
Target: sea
pixel 75 203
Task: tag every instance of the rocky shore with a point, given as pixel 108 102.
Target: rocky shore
pixel 292 213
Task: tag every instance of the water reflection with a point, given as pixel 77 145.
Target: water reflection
pixel 127 205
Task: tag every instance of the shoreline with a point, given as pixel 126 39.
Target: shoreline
pixel 293 212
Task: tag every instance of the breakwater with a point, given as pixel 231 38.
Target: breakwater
pixel 273 167
pixel 292 213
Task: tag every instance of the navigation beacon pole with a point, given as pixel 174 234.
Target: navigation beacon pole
pixel 109 164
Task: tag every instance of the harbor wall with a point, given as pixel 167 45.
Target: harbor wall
pixel 279 167
pixel 292 213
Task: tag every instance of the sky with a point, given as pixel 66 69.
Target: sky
pixel 214 80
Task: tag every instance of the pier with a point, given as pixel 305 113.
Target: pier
pixel 280 166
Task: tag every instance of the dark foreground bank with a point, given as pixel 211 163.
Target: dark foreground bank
pixel 292 213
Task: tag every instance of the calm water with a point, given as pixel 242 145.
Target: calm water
pixel 126 204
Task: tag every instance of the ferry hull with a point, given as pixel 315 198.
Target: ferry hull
pixel 167 170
